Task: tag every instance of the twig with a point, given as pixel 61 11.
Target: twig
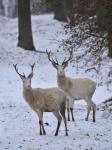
pixel 38 51
pixel 93 68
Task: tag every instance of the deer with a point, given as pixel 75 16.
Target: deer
pixel 44 100
pixel 75 88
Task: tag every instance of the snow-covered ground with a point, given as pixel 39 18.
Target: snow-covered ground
pixel 18 123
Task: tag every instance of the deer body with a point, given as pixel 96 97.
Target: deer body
pixel 44 100
pixel 76 89
pixel 79 88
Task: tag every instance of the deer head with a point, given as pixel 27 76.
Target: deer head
pixel 60 67
pixel 26 80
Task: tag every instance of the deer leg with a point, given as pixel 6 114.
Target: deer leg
pixel 94 111
pixel 40 115
pixel 44 132
pixel 68 112
pixel 68 109
pixel 58 116
pixel 58 126
pixel 71 103
pixel 71 109
pixel 40 124
pixel 62 111
pixel 88 110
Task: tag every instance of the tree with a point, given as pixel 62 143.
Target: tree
pixel 1 8
pixel 84 33
pixel 14 9
pixel 25 39
pixel 92 21
pixel 104 14
pixel 59 10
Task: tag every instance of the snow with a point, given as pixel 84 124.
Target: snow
pixel 19 127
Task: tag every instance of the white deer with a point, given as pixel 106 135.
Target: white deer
pixel 76 89
pixel 44 100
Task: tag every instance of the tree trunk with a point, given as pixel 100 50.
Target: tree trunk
pixel 109 39
pixel 59 10
pixel 14 12
pixel 25 39
pixel 1 8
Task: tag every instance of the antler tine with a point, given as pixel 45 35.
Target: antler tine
pixel 23 74
pixel 52 60
pixel 64 59
pixel 15 66
pixel 56 61
pixel 48 54
pixel 32 67
pixel 70 57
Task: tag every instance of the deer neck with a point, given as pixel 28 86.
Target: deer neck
pixel 62 82
pixel 28 96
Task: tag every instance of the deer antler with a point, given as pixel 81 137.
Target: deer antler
pixel 70 57
pixel 32 67
pixel 15 66
pixel 55 62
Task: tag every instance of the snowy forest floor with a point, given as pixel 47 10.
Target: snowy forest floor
pixel 18 123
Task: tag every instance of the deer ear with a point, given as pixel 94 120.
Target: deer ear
pixel 30 75
pixel 22 77
pixel 55 65
pixel 65 64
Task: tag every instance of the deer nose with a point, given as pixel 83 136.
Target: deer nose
pixel 29 86
pixel 61 72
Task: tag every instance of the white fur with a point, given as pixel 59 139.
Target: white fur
pixel 45 100
pixel 60 70
pixel 76 89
